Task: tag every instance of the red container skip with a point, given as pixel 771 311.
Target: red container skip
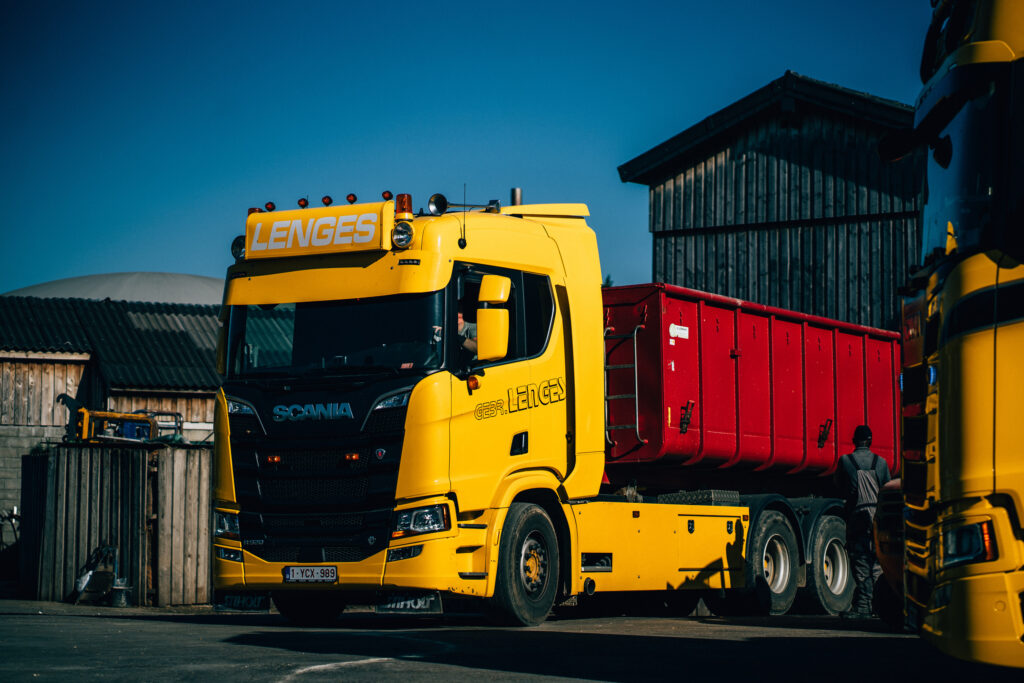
pixel 700 380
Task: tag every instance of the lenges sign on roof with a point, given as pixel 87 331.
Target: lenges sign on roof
pixel 332 229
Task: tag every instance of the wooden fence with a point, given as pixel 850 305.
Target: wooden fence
pixel 153 504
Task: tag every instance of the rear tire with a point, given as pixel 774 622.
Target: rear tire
pixel 772 565
pixel 309 608
pixel 528 566
pixel 770 572
pixel 829 581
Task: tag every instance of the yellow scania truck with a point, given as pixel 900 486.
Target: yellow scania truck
pixel 963 388
pixel 422 409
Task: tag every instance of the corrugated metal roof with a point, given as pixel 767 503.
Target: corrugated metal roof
pixel 783 94
pixel 138 345
pixel 48 325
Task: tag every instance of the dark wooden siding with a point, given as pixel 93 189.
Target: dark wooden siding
pixel 795 212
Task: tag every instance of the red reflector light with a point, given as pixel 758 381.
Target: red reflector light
pixel 386 194
pixel 326 199
pixel 303 203
pixel 350 198
pixel 273 459
pixel 403 203
pixel 270 206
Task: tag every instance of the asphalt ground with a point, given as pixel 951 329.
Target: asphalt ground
pixel 60 642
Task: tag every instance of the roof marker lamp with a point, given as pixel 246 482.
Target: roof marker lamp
pixel 351 198
pixel 238 247
pixel 303 203
pixel 402 234
pixel 387 196
pixel 270 206
pixel 326 199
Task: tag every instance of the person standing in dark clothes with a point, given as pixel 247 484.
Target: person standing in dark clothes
pixel 859 476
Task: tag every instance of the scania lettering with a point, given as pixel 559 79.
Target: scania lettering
pixel 319 411
pixel 591 445
pixel 964 338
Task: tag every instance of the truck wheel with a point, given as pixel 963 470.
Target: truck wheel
pixel 309 608
pixel 527 566
pixel 771 567
pixel 829 581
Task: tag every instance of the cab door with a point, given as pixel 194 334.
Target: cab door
pixel 515 417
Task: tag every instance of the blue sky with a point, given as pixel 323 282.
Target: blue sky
pixel 136 135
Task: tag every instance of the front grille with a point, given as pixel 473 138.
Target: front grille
pixel 280 525
pixel 293 553
pixel 915 476
pixel 299 462
pixel 386 420
pixel 313 491
pixel 344 554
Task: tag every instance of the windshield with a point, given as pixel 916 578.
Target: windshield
pixel 960 180
pixel 383 334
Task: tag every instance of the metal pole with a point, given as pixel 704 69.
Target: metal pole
pixel 516 197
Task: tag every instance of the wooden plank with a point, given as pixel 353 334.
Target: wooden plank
pixel 58 412
pixel 44 587
pixel 95 497
pixel 204 576
pixel 20 394
pixel 190 531
pixel 139 557
pixel 164 525
pixel 178 538
pixel 6 392
pixel 33 404
pixel 46 395
pixel 65 537
pixel 81 511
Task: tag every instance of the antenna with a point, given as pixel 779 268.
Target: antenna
pixel 462 239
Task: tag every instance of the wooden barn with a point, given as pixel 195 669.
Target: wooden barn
pixel 781 199
pixel 107 355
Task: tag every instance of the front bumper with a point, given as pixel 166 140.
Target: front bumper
pixel 983 620
pixel 455 561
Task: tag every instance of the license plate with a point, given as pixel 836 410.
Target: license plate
pixel 310 574
pixel 410 603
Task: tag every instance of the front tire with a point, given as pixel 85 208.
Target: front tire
pixel 830 582
pixel 528 566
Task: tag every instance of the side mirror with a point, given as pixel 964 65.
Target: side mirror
pixel 492 324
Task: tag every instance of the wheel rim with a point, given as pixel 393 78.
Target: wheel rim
pixel 776 564
pixel 533 564
pixel 835 567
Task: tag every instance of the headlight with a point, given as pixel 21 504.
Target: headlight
pixel 225 525
pixel 239 408
pixel 970 543
pixel 401 235
pixel 424 520
pixel 395 401
pixel 229 554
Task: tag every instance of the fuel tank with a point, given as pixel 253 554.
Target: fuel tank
pixel 697 380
